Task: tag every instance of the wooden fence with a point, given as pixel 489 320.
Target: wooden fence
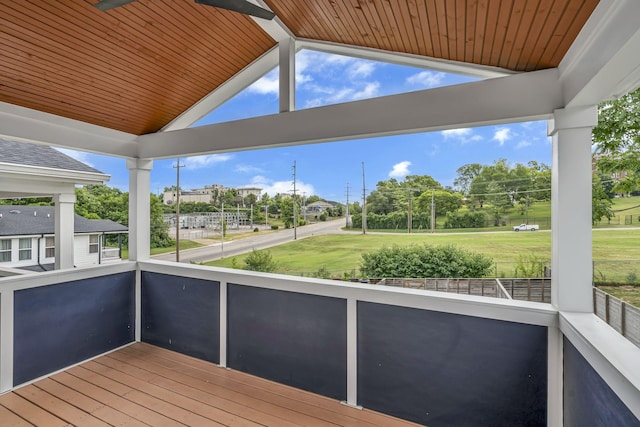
pixel 622 317
pixel 534 289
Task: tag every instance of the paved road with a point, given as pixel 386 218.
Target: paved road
pixel 236 247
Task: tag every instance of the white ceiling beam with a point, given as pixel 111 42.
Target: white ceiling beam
pixel 274 27
pixel 521 97
pixel 406 59
pixel 226 91
pixel 604 61
pixel 29 125
pixel 287 75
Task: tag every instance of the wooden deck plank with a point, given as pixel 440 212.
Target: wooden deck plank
pixel 142 385
pixel 297 417
pixel 9 419
pixel 92 385
pixel 82 401
pixel 30 412
pixel 59 407
pixel 299 400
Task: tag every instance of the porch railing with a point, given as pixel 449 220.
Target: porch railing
pixel 623 317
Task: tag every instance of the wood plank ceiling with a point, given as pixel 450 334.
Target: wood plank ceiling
pixel 137 67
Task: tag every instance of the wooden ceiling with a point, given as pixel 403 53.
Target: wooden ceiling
pixel 137 67
pixel 517 35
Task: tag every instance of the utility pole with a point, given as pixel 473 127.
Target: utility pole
pixel 409 217
pixel 222 232
pixel 347 212
pixel 304 208
pixel 295 217
pixel 251 216
pixel 177 167
pixel 266 216
pixel 433 212
pixel 364 203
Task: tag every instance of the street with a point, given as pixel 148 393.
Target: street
pixel 218 249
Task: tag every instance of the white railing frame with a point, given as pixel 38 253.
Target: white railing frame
pixel 613 357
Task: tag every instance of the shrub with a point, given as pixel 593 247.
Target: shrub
pixel 474 219
pixel 426 261
pixel 255 230
pixel 260 261
pixel 530 265
pixel 274 227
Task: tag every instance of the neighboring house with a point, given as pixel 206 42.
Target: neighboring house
pixel 319 206
pixel 34 170
pixel 208 194
pixel 27 238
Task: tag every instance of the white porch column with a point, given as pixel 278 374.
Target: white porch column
pixel 64 229
pixel 571 274
pixel 139 208
pixel 287 52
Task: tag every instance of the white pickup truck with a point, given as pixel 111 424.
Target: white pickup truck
pixel 525 227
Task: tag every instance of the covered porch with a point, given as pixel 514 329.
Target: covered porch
pixel 434 359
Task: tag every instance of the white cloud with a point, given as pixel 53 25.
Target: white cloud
pixel 370 90
pixel 198 162
pixel 244 168
pixel 268 84
pixel 400 170
pixel 502 135
pixel 427 79
pixel 361 69
pixel 80 156
pixel 463 135
pixel 523 144
pixel 283 187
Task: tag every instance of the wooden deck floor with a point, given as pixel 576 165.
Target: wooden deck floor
pixel 143 385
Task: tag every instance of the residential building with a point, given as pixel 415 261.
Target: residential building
pixel 130 82
pixel 27 239
pixel 208 194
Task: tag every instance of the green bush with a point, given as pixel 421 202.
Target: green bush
pixel 260 261
pixel 530 265
pixel 274 227
pixel 465 220
pixel 255 230
pixel 425 261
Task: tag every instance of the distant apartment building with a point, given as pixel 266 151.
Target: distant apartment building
pixel 208 194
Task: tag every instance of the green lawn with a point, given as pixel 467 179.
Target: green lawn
pixel 616 252
pixel 184 244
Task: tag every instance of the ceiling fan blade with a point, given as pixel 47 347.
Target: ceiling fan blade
pixel 242 6
pixel 110 4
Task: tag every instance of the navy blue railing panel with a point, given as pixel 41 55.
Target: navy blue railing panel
pixel 59 325
pixel 182 314
pixel 443 369
pixel 588 400
pixel 292 338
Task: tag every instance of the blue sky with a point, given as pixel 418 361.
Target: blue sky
pixel 325 169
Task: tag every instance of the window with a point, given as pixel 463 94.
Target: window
pixel 24 252
pixel 94 245
pixel 50 247
pixel 5 250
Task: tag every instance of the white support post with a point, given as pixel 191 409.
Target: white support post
pixel 571 185
pixel 352 353
pixel 139 208
pixel 6 340
pixel 64 230
pixel 287 51
pixel 223 324
pixel 554 377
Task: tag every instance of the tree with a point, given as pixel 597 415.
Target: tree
pixel 445 201
pixel 617 140
pixel 466 175
pixel 260 261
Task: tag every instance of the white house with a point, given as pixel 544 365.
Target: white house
pixel 27 233
pixel 27 239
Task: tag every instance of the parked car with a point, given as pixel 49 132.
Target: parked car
pixel 525 227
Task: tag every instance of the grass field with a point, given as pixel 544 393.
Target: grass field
pixel 615 251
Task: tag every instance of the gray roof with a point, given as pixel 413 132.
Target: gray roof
pixel 24 153
pixel 27 220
